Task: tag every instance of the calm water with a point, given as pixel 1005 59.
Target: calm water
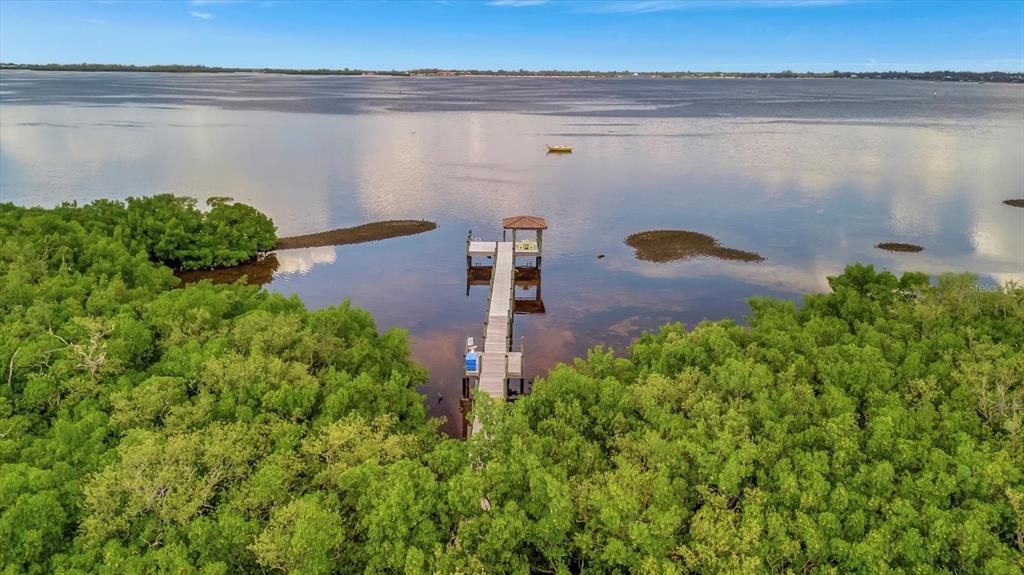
pixel 810 174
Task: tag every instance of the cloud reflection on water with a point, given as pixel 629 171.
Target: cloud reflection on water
pixel 302 261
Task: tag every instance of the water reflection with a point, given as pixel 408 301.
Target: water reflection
pixel 282 263
pixel 809 186
pixel 302 261
pixel 259 273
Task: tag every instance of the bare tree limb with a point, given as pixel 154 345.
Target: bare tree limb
pixel 10 366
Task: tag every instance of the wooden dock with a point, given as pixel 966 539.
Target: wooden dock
pixel 497 362
pixel 498 328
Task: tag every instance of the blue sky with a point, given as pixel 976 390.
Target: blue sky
pixel 742 35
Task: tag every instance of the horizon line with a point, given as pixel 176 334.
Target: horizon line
pixel 519 71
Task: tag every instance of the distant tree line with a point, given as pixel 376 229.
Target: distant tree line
pixel 938 75
pixel 180 68
pixel 935 75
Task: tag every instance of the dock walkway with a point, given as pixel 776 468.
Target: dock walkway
pixel 498 329
pixel 497 363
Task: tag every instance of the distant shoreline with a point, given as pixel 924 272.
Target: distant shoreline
pixel 939 75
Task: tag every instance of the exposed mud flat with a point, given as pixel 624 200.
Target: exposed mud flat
pixel 899 247
pixel 1017 203
pixel 673 245
pixel 365 233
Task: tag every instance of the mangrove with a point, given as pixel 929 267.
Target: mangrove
pixel 214 429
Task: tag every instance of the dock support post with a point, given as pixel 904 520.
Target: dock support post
pixel 466 407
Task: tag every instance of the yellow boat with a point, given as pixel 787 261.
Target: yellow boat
pixel 560 149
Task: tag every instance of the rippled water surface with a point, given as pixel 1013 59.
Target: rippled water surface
pixel 809 174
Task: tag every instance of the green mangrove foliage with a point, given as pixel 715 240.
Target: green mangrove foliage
pixel 222 429
pixel 150 429
pixel 170 229
pixel 879 429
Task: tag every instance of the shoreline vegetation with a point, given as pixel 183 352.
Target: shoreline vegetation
pixel 1016 203
pixel 228 429
pixel 936 75
pixel 174 230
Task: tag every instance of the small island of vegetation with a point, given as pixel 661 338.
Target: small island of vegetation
pixel 674 245
pixel 222 429
pixel 900 247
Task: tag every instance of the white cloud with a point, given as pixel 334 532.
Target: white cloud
pixel 516 3
pixel 202 15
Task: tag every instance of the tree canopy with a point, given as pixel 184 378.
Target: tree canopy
pixel 171 230
pixel 223 429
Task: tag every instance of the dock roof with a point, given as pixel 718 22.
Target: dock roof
pixel 524 223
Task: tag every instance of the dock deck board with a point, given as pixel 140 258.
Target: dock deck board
pixel 478 248
pixel 515 364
